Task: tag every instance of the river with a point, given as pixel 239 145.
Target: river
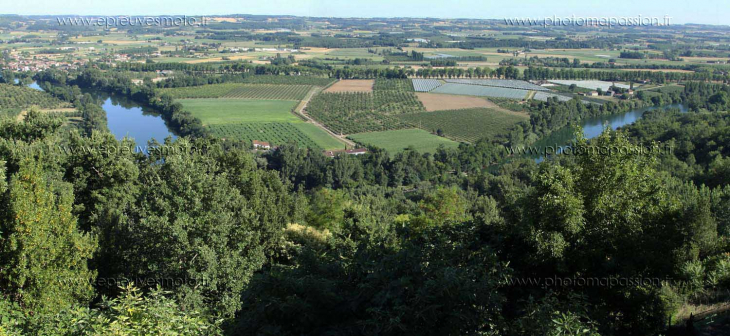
pixel 126 117
pixel 593 127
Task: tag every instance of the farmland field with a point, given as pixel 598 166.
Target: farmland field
pixel 281 92
pixel 223 111
pixel 288 80
pixel 396 141
pixel 246 91
pixel 437 102
pixel 669 89
pixel 352 85
pixel 425 85
pixel 467 124
pixel 15 98
pixel 277 133
pixel 357 112
pixel 323 139
pixel 479 90
pixel 505 83
pixel 396 102
pixel 393 84
pixel 543 96
pixel 264 120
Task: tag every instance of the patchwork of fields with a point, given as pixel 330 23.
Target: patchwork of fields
pixel 386 117
pixel 427 85
pixel 388 113
pixel 247 112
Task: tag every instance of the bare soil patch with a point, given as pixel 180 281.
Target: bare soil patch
pixel 438 102
pixel 352 85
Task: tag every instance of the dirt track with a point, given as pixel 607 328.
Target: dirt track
pixel 301 110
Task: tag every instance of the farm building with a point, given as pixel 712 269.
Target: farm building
pixel 333 153
pixel 357 151
pixel 261 145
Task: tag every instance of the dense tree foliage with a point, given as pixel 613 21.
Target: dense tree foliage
pixel 201 237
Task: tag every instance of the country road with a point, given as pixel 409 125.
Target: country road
pixel 301 110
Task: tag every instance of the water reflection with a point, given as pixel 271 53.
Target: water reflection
pixel 126 117
pixel 592 128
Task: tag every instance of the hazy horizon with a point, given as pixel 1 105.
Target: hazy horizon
pixel 682 12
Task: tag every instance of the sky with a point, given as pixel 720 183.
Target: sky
pixel 680 11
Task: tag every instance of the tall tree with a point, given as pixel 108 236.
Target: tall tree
pixel 43 255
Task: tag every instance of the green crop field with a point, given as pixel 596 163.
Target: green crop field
pixel 275 133
pixel 15 98
pixel 670 89
pixel 246 91
pixel 393 84
pixel 466 125
pixel 358 112
pixel 398 140
pixel 281 92
pixel 264 120
pixel 278 133
pixel 289 80
pixel 203 91
pixel 323 139
pixel 223 111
